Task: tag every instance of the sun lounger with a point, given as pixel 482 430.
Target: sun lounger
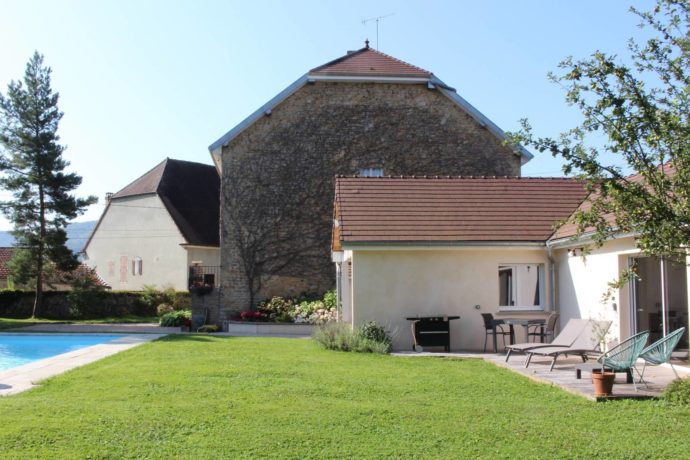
pixel 584 345
pixel 565 339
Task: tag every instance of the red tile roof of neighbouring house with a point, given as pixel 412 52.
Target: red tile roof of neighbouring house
pixel 452 209
pixel 6 254
pixel 369 62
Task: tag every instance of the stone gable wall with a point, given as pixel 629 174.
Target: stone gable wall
pixel 290 159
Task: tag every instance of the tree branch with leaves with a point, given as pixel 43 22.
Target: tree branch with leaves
pixel 639 179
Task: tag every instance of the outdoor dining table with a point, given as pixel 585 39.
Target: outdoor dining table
pixel 524 322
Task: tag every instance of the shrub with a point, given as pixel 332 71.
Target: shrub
pixel 678 392
pixel 182 302
pixel 368 338
pixel 335 336
pixel 164 308
pixel 150 296
pixel 375 332
pixel 85 303
pixel 209 328
pixel 277 309
pixel 176 318
pixel 330 300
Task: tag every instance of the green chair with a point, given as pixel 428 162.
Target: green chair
pixel 623 356
pixel 660 351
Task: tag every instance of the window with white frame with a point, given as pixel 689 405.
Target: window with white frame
pixel 371 172
pixel 137 266
pixel 521 286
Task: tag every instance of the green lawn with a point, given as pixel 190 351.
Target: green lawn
pixel 215 397
pixel 11 323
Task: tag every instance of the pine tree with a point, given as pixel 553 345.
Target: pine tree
pixel 33 170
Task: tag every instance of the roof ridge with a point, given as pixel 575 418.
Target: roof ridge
pixel 400 60
pixel 143 175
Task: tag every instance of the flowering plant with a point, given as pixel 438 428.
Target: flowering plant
pixel 252 316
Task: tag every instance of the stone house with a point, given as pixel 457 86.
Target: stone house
pixel 364 113
pixel 157 227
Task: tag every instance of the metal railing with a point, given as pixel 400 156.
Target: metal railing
pixel 203 277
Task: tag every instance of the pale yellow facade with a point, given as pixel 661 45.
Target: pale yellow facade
pixel 137 243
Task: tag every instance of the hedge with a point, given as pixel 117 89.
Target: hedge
pixel 71 304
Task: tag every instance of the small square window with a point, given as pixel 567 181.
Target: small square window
pixel 371 172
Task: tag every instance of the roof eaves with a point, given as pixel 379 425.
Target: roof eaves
pixel 584 239
pixel 482 119
pixel 436 244
pixel 260 112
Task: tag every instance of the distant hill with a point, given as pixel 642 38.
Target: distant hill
pixel 77 234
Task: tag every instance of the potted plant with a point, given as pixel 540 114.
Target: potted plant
pixel 601 378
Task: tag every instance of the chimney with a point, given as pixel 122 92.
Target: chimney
pixel 108 197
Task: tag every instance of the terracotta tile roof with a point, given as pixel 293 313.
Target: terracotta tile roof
pixel 570 230
pixel 369 62
pixel 458 209
pixel 190 192
pixel 6 255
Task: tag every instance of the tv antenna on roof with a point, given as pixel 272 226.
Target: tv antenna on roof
pixel 377 19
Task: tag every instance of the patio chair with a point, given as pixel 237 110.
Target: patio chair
pixel 584 345
pixel 543 332
pixel 623 356
pixel 565 339
pixel 660 351
pixel 493 327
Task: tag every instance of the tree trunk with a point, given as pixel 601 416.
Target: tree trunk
pixel 38 301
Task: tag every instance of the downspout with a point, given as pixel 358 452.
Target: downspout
pixel 552 278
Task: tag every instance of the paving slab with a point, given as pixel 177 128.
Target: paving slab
pixel 564 374
pixel 22 378
pixel 122 328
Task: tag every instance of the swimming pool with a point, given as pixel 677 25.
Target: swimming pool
pixel 19 349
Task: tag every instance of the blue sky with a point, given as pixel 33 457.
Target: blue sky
pixel 143 80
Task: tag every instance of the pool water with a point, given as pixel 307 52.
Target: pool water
pixel 19 349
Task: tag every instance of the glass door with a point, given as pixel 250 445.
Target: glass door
pixel 660 299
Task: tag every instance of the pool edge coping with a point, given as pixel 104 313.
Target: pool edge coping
pixel 27 376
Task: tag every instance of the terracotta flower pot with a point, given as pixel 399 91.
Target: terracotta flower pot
pixel 603 382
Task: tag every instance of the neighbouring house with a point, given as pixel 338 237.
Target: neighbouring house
pixel 156 228
pixel 58 282
pixel 6 254
pixel 364 113
pixel 464 246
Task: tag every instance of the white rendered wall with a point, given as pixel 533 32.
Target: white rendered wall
pixel 390 285
pixel 207 256
pixel 582 281
pixel 138 227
